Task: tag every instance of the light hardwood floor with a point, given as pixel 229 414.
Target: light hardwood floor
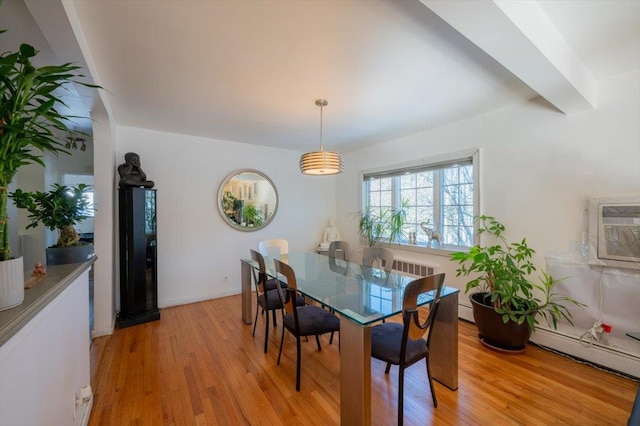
pixel 199 365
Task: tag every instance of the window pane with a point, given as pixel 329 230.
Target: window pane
pixel 424 179
pixel 442 198
pixel 408 181
pixel 385 198
pixel 385 184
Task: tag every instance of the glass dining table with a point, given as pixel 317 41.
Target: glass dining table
pixel 363 296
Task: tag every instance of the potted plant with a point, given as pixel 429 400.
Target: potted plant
pixel 30 125
pixel 252 215
pixel 375 224
pixel 59 209
pixel 507 303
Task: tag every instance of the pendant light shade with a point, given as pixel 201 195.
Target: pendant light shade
pixel 321 162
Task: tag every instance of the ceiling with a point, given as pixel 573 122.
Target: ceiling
pixel 250 71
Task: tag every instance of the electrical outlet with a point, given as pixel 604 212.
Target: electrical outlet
pixel 226 278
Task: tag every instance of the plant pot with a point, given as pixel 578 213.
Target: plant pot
pixel 65 255
pixel 508 337
pixel 11 283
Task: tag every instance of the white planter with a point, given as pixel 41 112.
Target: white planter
pixel 11 283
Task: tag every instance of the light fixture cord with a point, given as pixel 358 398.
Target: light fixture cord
pixel 321 106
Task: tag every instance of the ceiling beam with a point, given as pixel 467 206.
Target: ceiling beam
pixel 519 36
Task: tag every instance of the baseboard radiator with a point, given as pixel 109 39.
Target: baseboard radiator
pixel 411 268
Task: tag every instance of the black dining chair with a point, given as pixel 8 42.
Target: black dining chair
pixel 404 344
pixel 301 321
pixel 339 249
pixel 385 255
pixel 267 297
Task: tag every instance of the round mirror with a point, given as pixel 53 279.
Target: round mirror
pixel 247 200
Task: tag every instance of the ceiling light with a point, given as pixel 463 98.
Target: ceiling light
pixel 72 143
pixel 321 162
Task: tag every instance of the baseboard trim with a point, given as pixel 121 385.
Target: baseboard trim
pixel 608 357
pixel 187 300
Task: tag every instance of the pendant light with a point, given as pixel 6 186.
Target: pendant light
pixel 321 162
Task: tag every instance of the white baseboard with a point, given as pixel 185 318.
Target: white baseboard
pixel 104 331
pixel 609 357
pixel 187 300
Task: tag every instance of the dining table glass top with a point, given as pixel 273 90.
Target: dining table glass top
pixel 360 293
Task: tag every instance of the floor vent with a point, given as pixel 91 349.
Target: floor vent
pixel 411 268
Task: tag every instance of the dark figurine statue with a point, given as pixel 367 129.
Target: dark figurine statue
pixel 131 175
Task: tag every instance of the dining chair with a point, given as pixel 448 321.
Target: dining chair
pixel 339 249
pixel 301 321
pixel 404 344
pixel 267 297
pixel 273 247
pixel 384 254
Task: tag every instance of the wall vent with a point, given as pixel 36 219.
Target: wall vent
pixel 412 268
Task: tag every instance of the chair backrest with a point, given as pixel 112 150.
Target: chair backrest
pixel 339 249
pixel 384 254
pixel 414 328
pixel 273 247
pixel 287 294
pixel 261 276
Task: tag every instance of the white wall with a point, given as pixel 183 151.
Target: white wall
pixel 537 167
pixel 196 248
pixel 44 365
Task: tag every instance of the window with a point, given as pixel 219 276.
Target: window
pixel 439 195
pixel 74 179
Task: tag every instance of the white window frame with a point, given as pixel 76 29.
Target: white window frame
pixel 473 155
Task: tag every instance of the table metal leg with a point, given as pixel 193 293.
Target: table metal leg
pixel 355 374
pixel 246 292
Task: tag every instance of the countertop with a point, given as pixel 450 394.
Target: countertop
pixel 36 298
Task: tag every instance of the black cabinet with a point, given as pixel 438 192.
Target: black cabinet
pixel 138 257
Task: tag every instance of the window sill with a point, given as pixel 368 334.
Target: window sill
pixel 443 252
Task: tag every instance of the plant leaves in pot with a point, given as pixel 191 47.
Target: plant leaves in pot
pixel 59 209
pixel 29 125
pixel 507 303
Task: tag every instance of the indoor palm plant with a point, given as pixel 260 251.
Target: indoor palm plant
pixel 377 223
pixel 506 295
pixel 30 125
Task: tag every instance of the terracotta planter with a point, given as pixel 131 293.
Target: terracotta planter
pixel 11 283
pixel 493 332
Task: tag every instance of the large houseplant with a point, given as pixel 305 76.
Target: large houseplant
pixel 507 302
pixel 58 209
pixel 30 125
pixel 375 224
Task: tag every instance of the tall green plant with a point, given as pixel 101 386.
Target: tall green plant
pixel 59 209
pixel 375 224
pixel 502 270
pixel 29 119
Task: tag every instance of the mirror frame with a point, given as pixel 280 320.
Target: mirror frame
pixel 233 224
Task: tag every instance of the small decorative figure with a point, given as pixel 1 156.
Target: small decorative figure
pixel 36 275
pixel 433 236
pixel 131 175
pixel 331 233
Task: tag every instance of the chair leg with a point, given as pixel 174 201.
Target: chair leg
pixel 298 362
pixel 266 332
pixel 331 339
pixel 255 321
pixel 386 370
pixel 281 343
pixel 400 395
pixel 318 342
pixel 433 391
pixel 274 318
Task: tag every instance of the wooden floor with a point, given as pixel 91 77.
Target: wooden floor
pixel 199 365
